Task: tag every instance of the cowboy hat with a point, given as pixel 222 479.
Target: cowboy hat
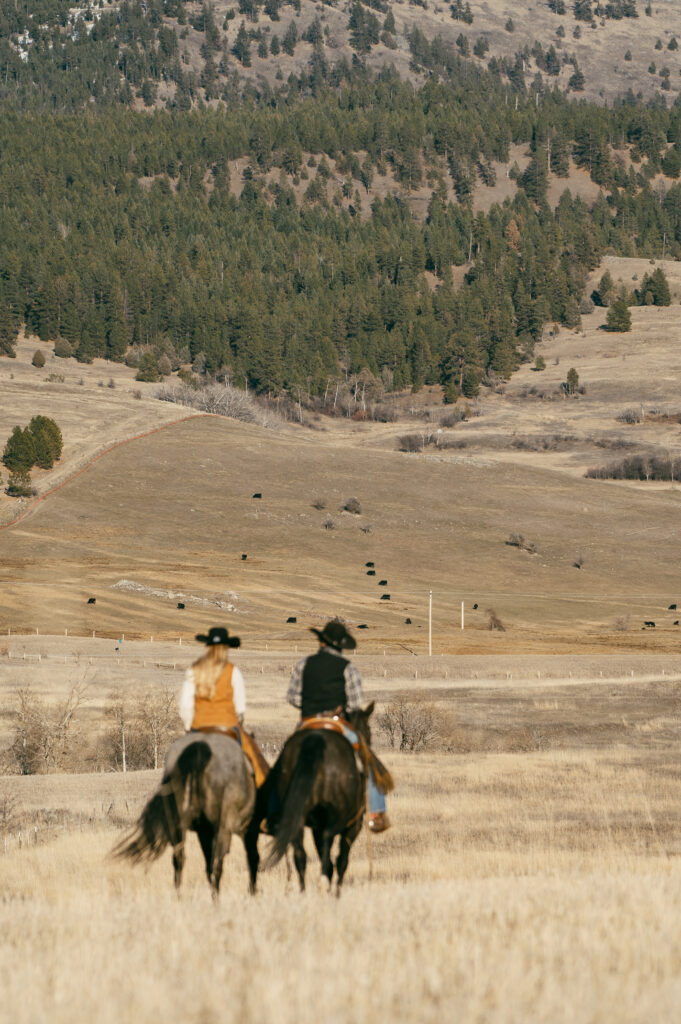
pixel 335 635
pixel 219 635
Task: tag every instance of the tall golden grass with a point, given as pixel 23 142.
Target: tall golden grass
pixel 537 886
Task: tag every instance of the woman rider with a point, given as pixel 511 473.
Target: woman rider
pixel 213 696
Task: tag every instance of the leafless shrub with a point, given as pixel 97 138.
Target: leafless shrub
pixel 112 383
pixel 352 505
pixel 410 443
pixel 453 417
pixel 495 622
pixel 639 467
pixel 382 413
pixel 329 523
pixel 366 528
pixel 319 503
pixel 44 736
pixel 9 808
pixel 578 562
pixel 219 399
pixel 518 540
pixel 409 724
pixel 630 416
pixel 621 624
pixel 136 393
pixel 610 442
pixel 451 443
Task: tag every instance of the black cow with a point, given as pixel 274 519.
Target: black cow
pixel 651 624
pixel 244 557
pixel 385 597
pixel 180 604
pixel 383 583
pixel 407 622
pixel 369 565
pixel 292 618
pixel 672 608
pixel 257 495
pixel 92 600
pixel 363 626
pixel 475 607
pixel 371 572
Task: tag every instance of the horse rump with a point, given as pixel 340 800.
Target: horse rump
pixel 159 822
pixel 295 809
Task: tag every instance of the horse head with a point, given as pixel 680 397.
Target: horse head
pixel 359 720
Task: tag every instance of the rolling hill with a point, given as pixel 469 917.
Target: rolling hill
pixel 167 518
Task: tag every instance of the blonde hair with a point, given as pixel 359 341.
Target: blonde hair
pixel 208 669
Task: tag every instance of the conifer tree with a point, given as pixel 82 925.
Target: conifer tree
pixel 19 451
pixel 619 317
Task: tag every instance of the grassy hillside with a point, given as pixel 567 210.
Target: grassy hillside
pixel 172 513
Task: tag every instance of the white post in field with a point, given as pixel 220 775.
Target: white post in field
pixel 462 614
pixel 430 623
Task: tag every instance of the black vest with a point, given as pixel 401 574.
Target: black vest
pixel 323 683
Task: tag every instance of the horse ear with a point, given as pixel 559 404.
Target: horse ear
pixel 369 709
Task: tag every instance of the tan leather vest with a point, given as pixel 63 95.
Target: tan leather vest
pixel 219 710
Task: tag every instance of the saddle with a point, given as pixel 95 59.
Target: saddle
pixel 367 760
pixel 248 745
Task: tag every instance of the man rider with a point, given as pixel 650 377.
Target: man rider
pixel 326 681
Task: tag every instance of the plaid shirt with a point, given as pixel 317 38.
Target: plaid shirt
pixel 353 683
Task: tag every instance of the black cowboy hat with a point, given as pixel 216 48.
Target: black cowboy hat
pixel 335 635
pixel 219 635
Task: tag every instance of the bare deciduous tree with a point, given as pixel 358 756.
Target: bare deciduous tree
pixel 409 724
pixel 45 734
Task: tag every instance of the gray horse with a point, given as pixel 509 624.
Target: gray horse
pixel 207 787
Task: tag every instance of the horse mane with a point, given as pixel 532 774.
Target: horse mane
pixel 208 669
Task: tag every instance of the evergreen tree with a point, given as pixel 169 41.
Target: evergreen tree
pixel 47 441
pixel 619 317
pixel 572 381
pixel 242 46
pixel 19 451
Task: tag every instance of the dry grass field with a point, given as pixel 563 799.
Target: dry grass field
pixel 532 872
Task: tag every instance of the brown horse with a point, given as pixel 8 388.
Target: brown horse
pixel 207 787
pixel 315 782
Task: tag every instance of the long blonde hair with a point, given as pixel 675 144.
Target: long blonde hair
pixel 208 669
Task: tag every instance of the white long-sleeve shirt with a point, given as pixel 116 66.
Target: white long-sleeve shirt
pixel 188 695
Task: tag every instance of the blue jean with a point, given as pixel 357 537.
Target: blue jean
pixel 376 798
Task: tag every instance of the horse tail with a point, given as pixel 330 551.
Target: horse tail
pixel 158 824
pixel 295 806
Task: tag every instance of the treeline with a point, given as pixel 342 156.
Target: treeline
pixel 123 230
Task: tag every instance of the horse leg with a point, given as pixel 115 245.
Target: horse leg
pixel 206 838
pixel 178 859
pixel 346 840
pixel 300 859
pixel 252 855
pixel 323 839
pixel 223 841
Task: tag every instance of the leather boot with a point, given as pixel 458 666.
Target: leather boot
pixel 379 822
